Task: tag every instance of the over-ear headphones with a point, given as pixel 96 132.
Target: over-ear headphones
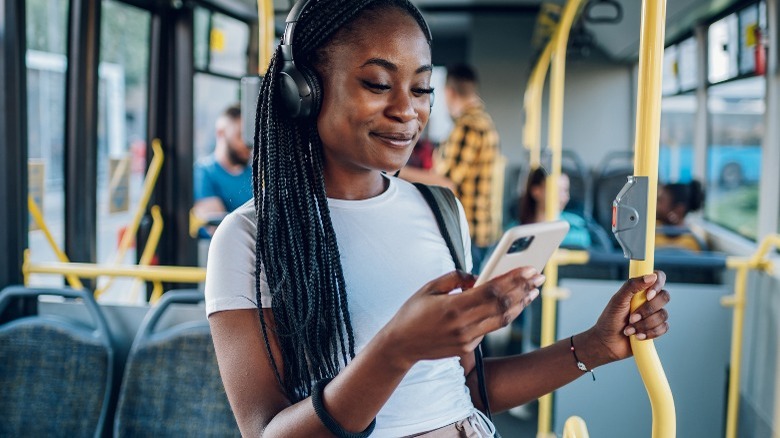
pixel 297 85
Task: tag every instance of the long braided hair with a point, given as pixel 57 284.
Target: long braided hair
pixel 296 244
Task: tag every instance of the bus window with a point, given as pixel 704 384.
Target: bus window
pixel 675 157
pixel 221 45
pixel 46 64
pixel 122 111
pixel 212 95
pixel 736 118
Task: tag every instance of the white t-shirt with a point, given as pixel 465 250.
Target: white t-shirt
pixel 390 247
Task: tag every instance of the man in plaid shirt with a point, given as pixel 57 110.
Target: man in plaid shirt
pixel 468 156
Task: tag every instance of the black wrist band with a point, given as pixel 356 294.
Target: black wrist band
pixel 329 422
pixel 580 364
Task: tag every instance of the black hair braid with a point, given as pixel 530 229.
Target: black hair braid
pixel 296 245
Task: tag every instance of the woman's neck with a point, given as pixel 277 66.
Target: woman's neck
pixel 354 186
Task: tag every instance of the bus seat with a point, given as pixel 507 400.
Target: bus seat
pixel 56 374
pixel 171 385
pixel 579 182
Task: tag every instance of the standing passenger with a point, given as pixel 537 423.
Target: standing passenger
pixel 468 156
pixel 329 296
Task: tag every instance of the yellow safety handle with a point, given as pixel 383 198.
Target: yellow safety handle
pixel 648 123
pixel 532 105
pixel 559 43
pixel 265 24
pixel 148 254
pixel 150 180
pixel 37 216
pixel 758 261
pixel 575 427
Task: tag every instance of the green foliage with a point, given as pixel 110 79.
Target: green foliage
pixel 124 40
pixel 47 25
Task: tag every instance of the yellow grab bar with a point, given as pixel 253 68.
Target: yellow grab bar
pixel 532 104
pixel 173 274
pixel 757 261
pixel 148 254
pixel 559 42
pixel 149 182
pixel 648 122
pixel 265 25
pixel 37 216
pixel 575 427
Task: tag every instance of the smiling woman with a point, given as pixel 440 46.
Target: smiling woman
pixel 329 295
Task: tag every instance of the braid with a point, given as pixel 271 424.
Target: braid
pixel 296 243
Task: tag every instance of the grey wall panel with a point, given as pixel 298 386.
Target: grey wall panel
pixel 694 353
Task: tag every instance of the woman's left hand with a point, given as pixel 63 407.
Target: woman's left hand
pixel 617 323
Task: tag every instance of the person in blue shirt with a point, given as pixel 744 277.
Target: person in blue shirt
pixel 532 209
pixel 223 180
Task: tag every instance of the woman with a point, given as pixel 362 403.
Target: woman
pixel 533 210
pixel 333 251
pixel 675 201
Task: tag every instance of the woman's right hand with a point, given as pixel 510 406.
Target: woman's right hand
pixel 435 324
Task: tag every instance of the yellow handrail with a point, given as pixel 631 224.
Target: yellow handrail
pixel 757 261
pixel 559 42
pixel 648 122
pixel 129 235
pixel 37 216
pixel 575 427
pixel 532 105
pixel 173 274
pixel 265 24
pixel 148 254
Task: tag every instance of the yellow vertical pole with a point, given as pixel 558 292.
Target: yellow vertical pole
pixel 555 138
pixel 37 216
pixel 738 300
pixel 265 25
pixel 738 323
pixel 532 104
pixel 648 122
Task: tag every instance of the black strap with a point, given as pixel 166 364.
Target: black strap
pixel 445 208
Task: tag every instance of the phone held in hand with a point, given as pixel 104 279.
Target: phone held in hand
pixel 524 245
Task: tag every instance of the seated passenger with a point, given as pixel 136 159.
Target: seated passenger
pixel 675 201
pixel 223 180
pixel 532 208
pixel 328 295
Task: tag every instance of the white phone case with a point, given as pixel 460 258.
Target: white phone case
pixel 533 244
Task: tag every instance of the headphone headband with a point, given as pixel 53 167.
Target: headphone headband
pixel 292 20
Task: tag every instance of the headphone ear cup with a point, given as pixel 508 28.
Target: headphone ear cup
pixel 314 101
pixel 292 90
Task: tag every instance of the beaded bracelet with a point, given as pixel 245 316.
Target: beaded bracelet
pixel 580 364
pixel 333 426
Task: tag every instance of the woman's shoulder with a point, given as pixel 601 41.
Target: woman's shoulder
pixel 238 226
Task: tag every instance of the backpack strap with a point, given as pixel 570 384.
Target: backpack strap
pixel 445 208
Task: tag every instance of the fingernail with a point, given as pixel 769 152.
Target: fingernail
pixel 533 294
pixel 649 278
pixel 539 280
pixel 629 331
pixel 633 319
pixel 651 294
pixel 641 336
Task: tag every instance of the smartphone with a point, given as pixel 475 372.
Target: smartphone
pixel 524 245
